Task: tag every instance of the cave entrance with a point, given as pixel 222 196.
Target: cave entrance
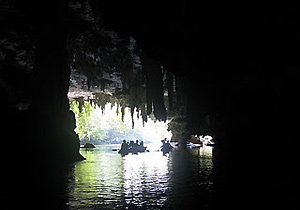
pixel 110 123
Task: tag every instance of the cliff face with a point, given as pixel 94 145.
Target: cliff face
pixel 35 79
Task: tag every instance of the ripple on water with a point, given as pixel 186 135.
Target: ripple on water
pixel 147 180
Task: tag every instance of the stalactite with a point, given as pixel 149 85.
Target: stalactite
pixel 170 79
pixel 117 111
pixel 132 119
pixel 148 94
pixel 181 89
pixel 154 88
pixel 90 101
pixel 103 109
pixel 94 105
pixel 137 113
pixel 123 112
pixel 112 106
pixel 98 102
pixel 159 108
pixel 143 113
pixel 80 101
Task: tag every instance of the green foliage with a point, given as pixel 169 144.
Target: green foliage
pixel 92 125
pixel 83 121
pixel 96 128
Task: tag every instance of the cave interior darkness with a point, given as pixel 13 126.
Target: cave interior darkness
pixel 234 61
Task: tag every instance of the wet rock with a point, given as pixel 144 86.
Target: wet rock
pixel 89 145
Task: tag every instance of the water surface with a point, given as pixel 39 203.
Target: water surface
pixel 106 180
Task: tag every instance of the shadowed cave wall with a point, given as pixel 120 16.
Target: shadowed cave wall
pixel 40 32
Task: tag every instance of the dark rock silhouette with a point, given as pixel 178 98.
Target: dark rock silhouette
pixel 88 145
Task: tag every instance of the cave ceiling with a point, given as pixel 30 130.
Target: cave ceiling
pixel 214 50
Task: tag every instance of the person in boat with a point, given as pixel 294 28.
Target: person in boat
pixel 124 147
pixel 166 146
pixel 163 143
pixel 131 144
pixel 136 146
pixel 141 147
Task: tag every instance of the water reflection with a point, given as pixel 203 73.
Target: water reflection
pixel 144 181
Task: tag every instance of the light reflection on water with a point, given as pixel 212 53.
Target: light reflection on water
pixel 145 181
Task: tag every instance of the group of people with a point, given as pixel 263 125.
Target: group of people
pixel 138 146
pixel 132 147
pixel 166 146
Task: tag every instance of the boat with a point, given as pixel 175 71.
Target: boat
pixel 166 148
pixel 132 150
pixel 207 140
pixel 194 141
pixel 209 143
pixel 192 145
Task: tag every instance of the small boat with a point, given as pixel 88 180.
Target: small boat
pixel 132 150
pixel 210 144
pixel 166 148
pixel 194 141
pixel 207 141
pixel 192 145
pixel 123 152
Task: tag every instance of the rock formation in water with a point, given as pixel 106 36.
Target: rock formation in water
pixel 38 55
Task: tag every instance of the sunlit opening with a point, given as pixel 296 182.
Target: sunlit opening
pixel 105 125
